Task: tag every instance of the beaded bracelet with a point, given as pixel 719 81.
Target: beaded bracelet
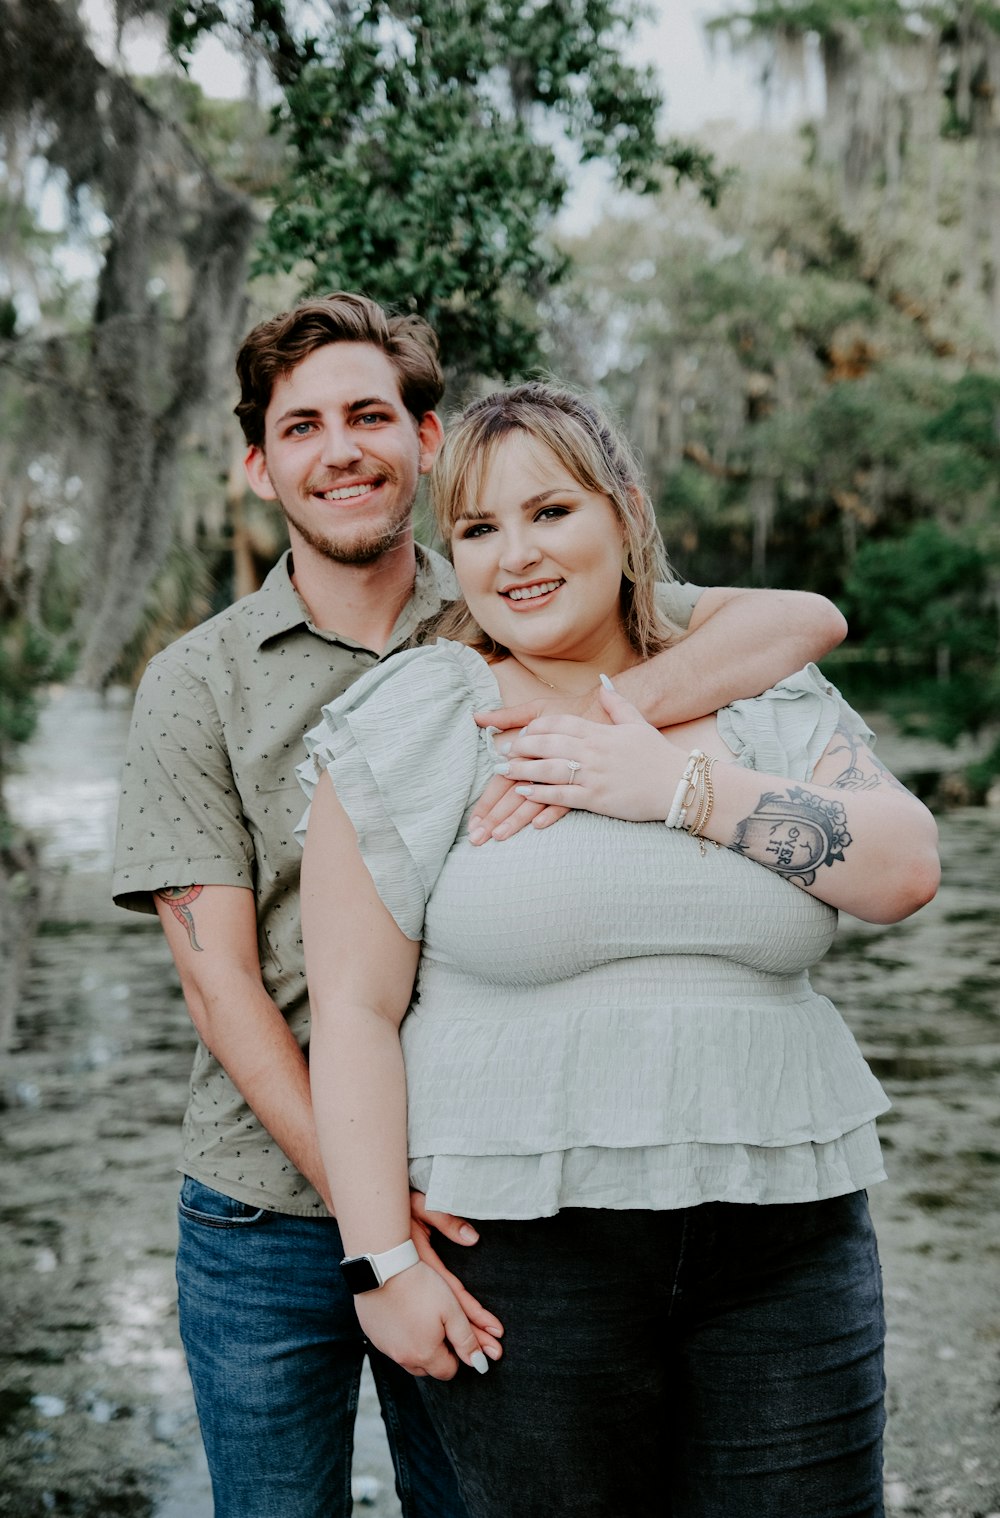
pixel 688 787
pixel 694 794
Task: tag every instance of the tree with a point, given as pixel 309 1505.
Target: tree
pixel 114 394
pixel 817 404
pixel 922 603
pixel 425 167
pixel 899 76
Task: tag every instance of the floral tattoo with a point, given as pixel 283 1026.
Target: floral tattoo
pixel 179 899
pixel 794 834
pixel 856 776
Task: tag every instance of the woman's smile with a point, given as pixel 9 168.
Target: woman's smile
pixel 528 596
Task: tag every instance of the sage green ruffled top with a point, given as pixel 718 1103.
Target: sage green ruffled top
pixel 604 1016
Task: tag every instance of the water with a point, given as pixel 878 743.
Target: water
pixel 95 1409
pixel 96 1413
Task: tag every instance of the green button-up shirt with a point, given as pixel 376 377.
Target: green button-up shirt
pixel 210 797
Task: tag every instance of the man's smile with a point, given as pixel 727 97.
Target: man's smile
pixel 348 492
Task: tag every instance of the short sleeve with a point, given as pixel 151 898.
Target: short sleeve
pixel 676 600
pixel 786 730
pixel 407 761
pixel 180 817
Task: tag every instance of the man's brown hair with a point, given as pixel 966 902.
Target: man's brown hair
pixel 276 346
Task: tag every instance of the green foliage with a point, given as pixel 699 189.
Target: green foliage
pixel 818 408
pixel 232 136
pixel 426 166
pixel 795 17
pixel 924 601
pixel 29 656
pixel 971 420
pixel 922 592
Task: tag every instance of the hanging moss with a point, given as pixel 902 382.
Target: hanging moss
pixel 153 347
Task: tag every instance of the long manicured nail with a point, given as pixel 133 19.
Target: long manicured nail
pixel 503 769
pixel 468 1234
pixel 605 681
pixel 477 833
pixel 523 790
pixel 504 747
pixel 479 1362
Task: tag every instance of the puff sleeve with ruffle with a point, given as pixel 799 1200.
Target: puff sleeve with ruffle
pixel 407 761
pixel 786 730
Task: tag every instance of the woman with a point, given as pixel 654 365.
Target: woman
pixel 615 1064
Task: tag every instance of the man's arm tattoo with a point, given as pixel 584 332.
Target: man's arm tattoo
pixel 794 834
pixel 179 899
pixel 853 777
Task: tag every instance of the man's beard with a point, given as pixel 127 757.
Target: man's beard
pixel 360 549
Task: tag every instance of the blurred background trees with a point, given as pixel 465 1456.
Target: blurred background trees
pixel 801 332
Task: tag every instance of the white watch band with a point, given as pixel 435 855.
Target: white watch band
pixel 392 1261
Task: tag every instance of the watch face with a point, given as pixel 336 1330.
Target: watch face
pixel 360 1274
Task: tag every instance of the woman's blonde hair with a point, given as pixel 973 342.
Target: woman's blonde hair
pixel 595 453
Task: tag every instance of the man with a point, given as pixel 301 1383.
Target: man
pixel 338 409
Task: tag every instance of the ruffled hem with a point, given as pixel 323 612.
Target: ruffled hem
pixel 777 1069
pixel 657 1178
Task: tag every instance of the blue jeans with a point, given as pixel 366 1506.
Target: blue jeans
pixel 719 1361
pixel 275 1354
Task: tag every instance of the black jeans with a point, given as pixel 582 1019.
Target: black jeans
pixel 721 1361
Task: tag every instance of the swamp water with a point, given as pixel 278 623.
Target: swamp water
pixel 95 1409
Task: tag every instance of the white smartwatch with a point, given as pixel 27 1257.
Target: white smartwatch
pixel 367 1272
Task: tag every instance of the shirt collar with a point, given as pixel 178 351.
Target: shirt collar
pixel 280 608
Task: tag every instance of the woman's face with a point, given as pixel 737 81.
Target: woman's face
pixel 539 558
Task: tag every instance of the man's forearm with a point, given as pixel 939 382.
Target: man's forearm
pixel 212 933
pixel 738 647
pixel 258 1052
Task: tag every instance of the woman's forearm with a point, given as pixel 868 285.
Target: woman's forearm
pixel 852 836
pixel 872 853
pixel 359 1097
pixel 360 970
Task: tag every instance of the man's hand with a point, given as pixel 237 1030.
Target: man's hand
pixel 488 1329
pixel 500 812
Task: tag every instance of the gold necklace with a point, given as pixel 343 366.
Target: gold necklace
pixel 542 681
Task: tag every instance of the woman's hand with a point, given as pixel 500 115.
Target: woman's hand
pixel 415 1319
pixel 626 769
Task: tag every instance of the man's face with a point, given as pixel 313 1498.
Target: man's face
pixel 342 455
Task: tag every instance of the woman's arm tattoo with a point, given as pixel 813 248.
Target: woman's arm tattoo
pixel 179 899
pixel 853 777
pixel 795 834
